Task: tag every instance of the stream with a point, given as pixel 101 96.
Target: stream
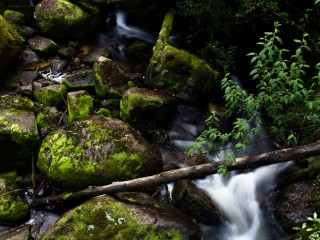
pixel 241 197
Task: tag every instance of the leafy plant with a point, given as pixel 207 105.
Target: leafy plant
pixel 309 229
pixel 285 95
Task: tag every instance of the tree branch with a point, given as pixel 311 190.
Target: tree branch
pixel 284 155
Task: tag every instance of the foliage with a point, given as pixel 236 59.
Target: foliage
pixel 310 228
pixel 285 95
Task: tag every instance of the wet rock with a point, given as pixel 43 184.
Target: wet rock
pixel 10 46
pixel 18 132
pixel 79 79
pixel 110 80
pixel 296 202
pixel 18 233
pixel 136 48
pixel 193 201
pixel 96 151
pixel 144 108
pixel 44 46
pixel 13 209
pixel 80 105
pixel 67 52
pixel 66 19
pixel 58 66
pixel 94 55
pixel 52 95
pixel 29 59
pixel 133 216
pixel 178 72
pixel 104 112
pixel 25 78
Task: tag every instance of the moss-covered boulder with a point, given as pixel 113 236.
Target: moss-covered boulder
pixel 43 46
pixel 177 71
pixel 80 105
pixel 296 202
pixel 134 217
pixel 13 209
pixel 52 95
pixel 10 46
pixel 66 19
pixel 96 151
pixel 110 80
pixel 143 108
pixel 18 133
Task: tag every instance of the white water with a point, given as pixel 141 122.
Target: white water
pixel 238 196
pixel 120 30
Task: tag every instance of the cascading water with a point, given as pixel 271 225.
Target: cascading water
pixel 238 196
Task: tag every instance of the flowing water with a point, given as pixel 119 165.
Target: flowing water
pixel 240 197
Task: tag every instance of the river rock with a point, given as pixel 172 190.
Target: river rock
pixel 10 46
pixel 79 79
pixel 177 71
pixel 18 133
pixel 44 46
pixel 29 59
pixel 145 108
pixel 110 80
pixel 194 202
pixel 52 95
pixel 13 209
pixel 130 216
pixel 66 19
pixel 48 119
pixel 96 151
pixel 19 233
pixel 296 202
pixel 80 105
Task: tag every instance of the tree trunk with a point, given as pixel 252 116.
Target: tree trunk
pixel 284 155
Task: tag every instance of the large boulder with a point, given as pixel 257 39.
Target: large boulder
pixel 177 71
pixel 96 151
pixel 19 137
pixel 10 45
pixel 65 19
pixel 136 216
pixel 143 108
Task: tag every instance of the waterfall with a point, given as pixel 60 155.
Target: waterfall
pixel 119 31
pixel 238 196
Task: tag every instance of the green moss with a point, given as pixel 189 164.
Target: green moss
pixel 53 95
pixel 104 112
pixel 12 209
pixel 14 17
pixel 105 218
pixel 95 150
pixel 16 102
pixel 80 106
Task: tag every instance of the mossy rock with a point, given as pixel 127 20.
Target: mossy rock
pixel 47 119
pixel 43 46
pixel 79 79
pixel 96 151
pixel 110 80
pixel 142 107
pixel 177 71
pixel 11 45
pixel 80 105
pixel 18 133
pixel 134 218
pixel 14 17
pixel 13 209
pixel 52 95
pixel 65 19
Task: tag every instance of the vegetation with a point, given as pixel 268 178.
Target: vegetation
pixel 309 229
pixel 286 98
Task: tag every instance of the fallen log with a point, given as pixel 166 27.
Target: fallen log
pixel 278 156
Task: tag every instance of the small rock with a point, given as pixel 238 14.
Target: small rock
pixel 58 66
pixel 52 95
pixel 67 52
pixel 93 56
pixel 43 45
pixel 79 79
pixel 30 60
pixel 80 105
